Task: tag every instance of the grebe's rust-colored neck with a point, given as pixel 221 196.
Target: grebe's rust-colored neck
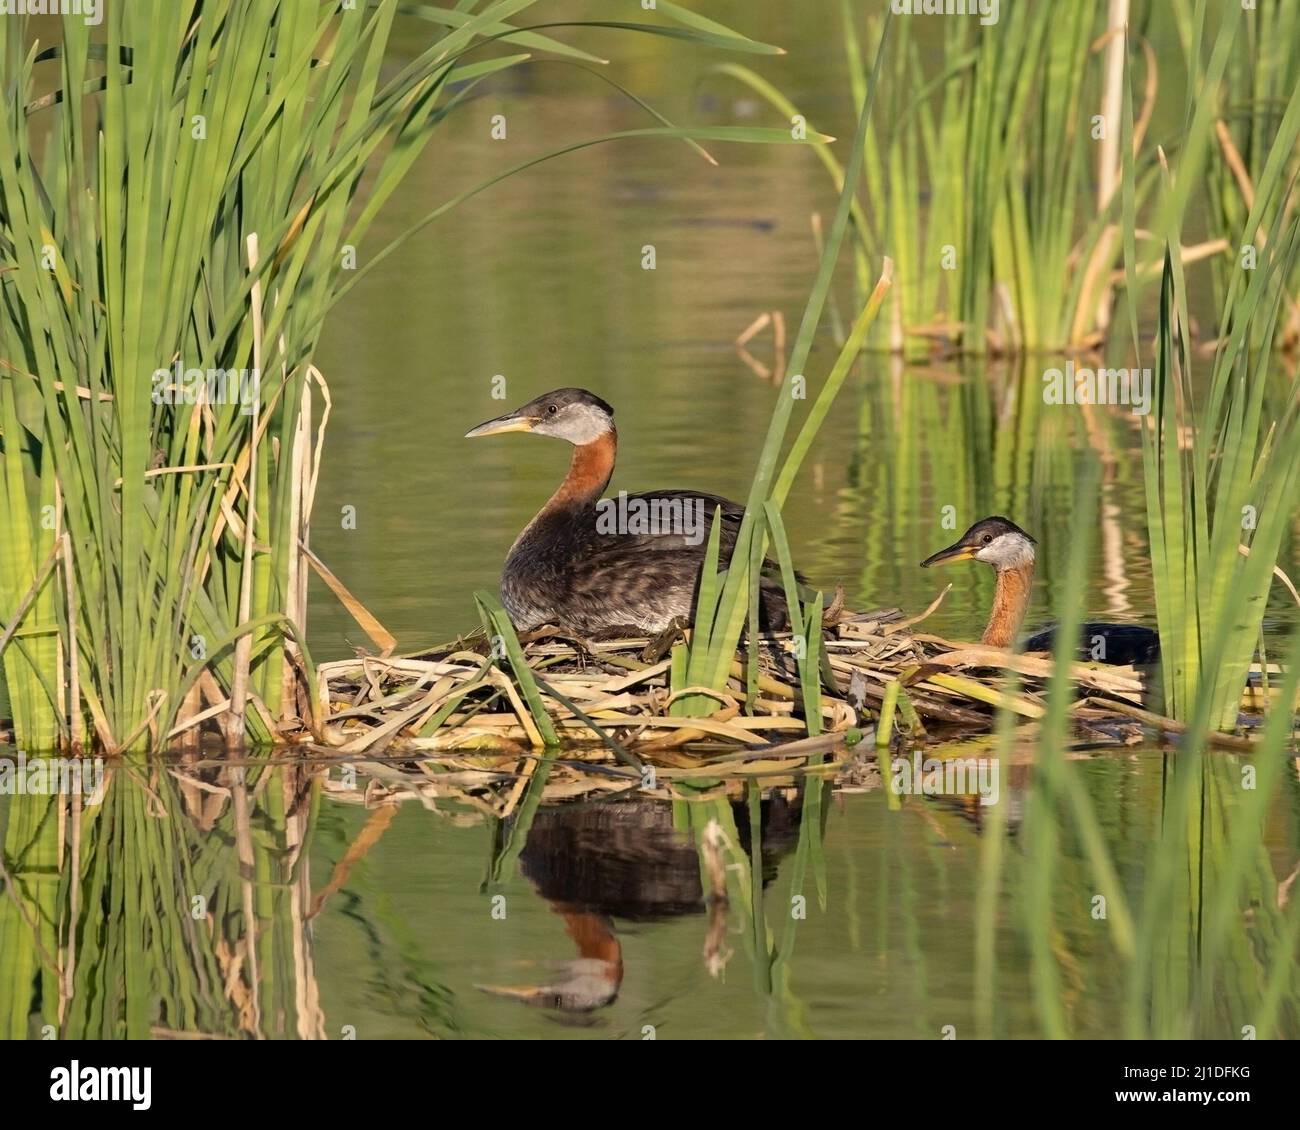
pixel 1010 600
pixel 589 472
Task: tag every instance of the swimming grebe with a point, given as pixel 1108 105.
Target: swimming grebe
pixel 1002 544
pixel 630 564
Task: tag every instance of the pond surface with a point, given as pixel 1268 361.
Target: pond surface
pixel 577 921
pixel 829 915
pixel 386 922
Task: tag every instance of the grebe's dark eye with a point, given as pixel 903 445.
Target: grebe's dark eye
pixel 552 409
pixel 987 538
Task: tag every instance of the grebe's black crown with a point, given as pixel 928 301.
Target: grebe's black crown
pixel 563 398
pixel 996 526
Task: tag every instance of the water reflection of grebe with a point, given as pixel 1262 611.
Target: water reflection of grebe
pixel 597 862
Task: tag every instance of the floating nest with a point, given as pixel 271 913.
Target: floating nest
pixel 611 705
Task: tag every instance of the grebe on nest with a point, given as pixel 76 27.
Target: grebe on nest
pixel 1010 551
pixel 569 568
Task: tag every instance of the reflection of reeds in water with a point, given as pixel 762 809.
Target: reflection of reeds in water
pixel 179 910
pixel 30 989
pixel 1198 941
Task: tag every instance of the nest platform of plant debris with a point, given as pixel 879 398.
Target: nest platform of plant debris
pixel 611 701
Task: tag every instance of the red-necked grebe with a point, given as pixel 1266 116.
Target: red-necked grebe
pixel 1002 544
pixel 630 563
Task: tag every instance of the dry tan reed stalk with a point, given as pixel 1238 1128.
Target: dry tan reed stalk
pixel 244 645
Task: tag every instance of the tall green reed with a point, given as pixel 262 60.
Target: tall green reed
pixel 1222 479
pixel 1249 106
pixel 722 612
pixel 997 251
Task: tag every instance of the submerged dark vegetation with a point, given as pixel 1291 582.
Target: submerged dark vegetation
pixel 179 194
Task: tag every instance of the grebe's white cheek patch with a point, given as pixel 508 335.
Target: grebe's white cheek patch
pixel 1008 551
pixel 578 423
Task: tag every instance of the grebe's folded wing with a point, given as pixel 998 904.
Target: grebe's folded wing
pixel 661 520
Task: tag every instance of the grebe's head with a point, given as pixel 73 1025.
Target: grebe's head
pixel 997 541
pixel 572 414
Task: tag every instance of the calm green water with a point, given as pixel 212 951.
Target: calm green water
pixel 395 921
pixel 540 280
